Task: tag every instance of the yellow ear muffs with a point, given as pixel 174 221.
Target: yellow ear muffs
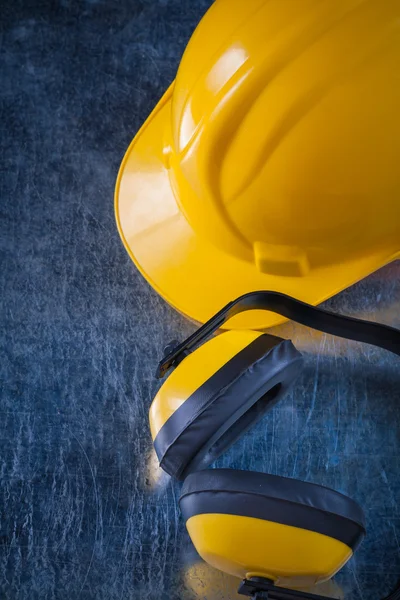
pixel 215 394
pixel 256 525
pixel 268 529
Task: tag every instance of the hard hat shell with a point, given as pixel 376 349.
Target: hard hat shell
pixel 272 162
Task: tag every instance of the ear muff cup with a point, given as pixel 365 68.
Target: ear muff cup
pixel 270 497
pixel 226 404
pixel 249 523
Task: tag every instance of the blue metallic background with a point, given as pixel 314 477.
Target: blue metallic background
pixel 84 510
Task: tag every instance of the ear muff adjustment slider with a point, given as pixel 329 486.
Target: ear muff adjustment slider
pixel 320 319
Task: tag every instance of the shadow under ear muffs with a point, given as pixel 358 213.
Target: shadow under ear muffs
pixel 268 529
pixel 257 525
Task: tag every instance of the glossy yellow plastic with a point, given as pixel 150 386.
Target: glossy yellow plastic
pixel 193 371
pixel 248 547
pixel 272 162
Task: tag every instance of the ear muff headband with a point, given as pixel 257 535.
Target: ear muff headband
pixel 320 319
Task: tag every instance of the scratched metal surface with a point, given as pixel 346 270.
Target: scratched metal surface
pixel 84 510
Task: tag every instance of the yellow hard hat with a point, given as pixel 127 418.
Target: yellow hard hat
pixel 272 162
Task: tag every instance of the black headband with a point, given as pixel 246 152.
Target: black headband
pixel 317 318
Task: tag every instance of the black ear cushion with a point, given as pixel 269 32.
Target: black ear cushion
pixel 227 404
pixel 272 498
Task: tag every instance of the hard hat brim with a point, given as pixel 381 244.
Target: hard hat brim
pixel 187 270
